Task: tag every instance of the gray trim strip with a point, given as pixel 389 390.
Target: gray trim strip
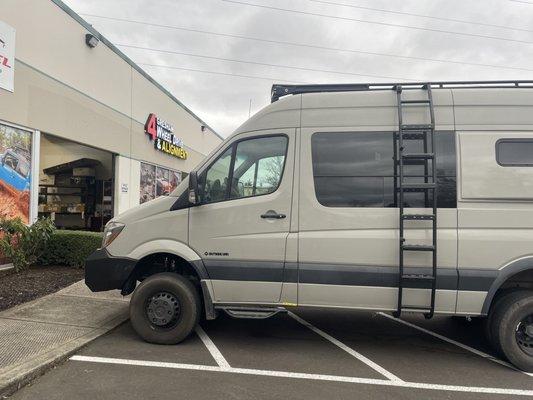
pixel 90 28
pixel 344 274
pixel 357 275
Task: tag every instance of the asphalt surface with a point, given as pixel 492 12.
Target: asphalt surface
pixel 339 355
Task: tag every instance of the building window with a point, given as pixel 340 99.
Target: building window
pixel 357 169
pixel 514 152
pixel 253 166
pixel 157 181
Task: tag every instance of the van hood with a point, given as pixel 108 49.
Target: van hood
pixel 145 210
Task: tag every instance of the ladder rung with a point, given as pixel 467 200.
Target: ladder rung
pixel 415 102
pixel 415 309
pixel 413 136
pixel 418 217
pixel 418 127
pixel 417 187
pixel 418 277
pixel 418 247
pixel 418 156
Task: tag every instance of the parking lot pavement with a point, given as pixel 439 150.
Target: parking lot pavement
pixel 312 354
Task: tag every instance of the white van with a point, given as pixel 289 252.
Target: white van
pixel 402 197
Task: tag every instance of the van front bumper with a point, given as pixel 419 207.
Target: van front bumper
pixel 105 272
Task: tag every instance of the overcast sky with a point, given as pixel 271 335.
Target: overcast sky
pixel 223 101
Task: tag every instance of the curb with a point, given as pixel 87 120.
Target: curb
pixel 26 371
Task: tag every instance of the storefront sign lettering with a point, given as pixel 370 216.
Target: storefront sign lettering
pixel 162 134
pixel 7 57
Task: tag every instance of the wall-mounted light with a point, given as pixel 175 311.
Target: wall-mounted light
pixel 91 40
pixel 202 128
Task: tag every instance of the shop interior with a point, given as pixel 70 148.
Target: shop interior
pixel 75 184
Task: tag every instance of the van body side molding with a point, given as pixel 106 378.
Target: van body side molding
pixel 504 273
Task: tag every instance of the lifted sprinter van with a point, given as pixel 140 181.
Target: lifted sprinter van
pixel 390 197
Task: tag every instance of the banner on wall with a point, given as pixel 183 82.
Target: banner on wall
pixel 15 173
pixel 7 57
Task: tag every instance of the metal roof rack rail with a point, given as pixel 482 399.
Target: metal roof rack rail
pixel 284 90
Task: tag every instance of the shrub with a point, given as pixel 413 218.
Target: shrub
pixel 23 244
pixel 70 248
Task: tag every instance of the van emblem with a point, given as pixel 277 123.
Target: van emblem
pixel 216 253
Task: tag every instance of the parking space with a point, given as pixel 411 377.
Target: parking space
pixel 311 354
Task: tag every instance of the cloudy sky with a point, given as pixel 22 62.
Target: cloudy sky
pixel 242 47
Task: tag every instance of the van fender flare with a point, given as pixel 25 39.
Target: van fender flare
pixel 513 268
pixel 179 249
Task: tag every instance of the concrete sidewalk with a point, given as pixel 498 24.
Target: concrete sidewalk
pixel 36 335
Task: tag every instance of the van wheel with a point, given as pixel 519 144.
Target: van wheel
pixel 512 328
pixel 165 308
pixel 490 328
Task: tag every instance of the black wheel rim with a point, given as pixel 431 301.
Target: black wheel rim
pixel 524 335
pixel 163 310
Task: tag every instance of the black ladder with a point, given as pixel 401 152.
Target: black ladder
pixel 424 134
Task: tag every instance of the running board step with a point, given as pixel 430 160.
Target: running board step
pixel 252 313
pixel 417 247
pixel 418 217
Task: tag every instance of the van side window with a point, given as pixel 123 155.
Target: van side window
pixel 356 169
pixel 253 166
pixel 214 181
pixel 514 152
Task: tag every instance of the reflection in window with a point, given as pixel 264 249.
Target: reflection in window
pixel 257 169
pixel 258 166
pixel 356 169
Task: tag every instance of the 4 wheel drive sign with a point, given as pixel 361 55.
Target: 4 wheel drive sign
pixel 7 57
pixel 164 139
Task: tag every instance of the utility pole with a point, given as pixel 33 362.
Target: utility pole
pixel 250 108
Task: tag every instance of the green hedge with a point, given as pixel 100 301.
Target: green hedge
pixel 70 248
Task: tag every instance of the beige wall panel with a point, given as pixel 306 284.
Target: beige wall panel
pixel 147 98
pixel 42 103
pixel 53 42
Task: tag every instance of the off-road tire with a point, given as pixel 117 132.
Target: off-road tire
pixel 507 315
pixel 491 331
pixel 189 303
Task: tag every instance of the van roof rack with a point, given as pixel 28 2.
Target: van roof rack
pixel 285 90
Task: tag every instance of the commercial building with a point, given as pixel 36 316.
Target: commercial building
pixel 85 133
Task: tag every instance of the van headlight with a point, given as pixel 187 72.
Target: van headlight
pixel 111 231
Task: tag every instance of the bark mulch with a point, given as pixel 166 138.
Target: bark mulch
pixel 38 281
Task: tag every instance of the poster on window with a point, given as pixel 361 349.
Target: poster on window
pixel 15 173
pixel 147 182
pixel 157 181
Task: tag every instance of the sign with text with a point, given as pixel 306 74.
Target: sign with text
pixel 7 57
pixel 162 133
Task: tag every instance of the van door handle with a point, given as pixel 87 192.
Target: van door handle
pixel 271 214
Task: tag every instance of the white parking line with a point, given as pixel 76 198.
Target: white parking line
pixel 299 375
pixel 213 349
pixel 458 344
pixel 347 349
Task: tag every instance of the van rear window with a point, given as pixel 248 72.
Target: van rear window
pixel 357 169
pixel 514 152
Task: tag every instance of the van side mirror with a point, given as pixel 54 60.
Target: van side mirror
pixel 194 200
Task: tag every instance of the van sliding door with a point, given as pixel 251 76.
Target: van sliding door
pixel 348 226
